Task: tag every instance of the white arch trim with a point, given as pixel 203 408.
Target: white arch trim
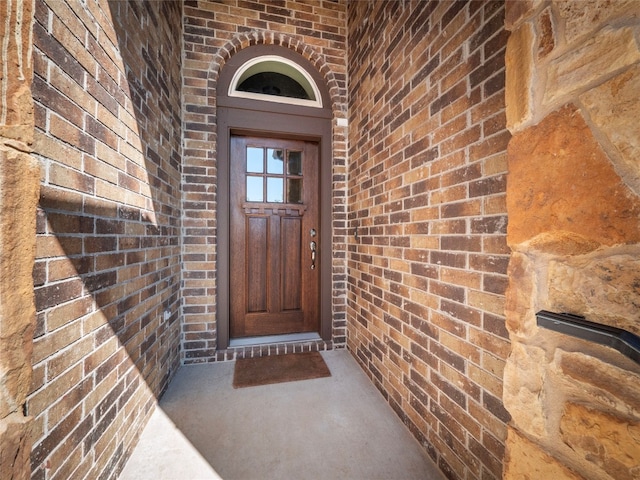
pixel 275 63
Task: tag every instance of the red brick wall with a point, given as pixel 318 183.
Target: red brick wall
pixel 108 137
pixel 427 273
pixel 213 32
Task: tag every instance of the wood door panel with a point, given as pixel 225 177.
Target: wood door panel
pixel 273 287
pixel 291 238
pixel 273 252
pixel 257 232
pixel 272 323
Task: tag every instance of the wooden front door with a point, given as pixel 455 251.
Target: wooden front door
pixel 274 237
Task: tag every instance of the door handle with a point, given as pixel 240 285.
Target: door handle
pixel 312 245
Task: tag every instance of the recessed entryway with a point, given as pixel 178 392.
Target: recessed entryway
pixel 274 198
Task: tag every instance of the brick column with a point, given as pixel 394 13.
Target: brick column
pixel 19 187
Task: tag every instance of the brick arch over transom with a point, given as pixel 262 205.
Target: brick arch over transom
pixel 255 37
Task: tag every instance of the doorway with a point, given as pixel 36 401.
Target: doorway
pixel 274 184
pixel 274 232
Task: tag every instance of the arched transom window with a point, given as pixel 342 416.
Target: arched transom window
pixel 275 79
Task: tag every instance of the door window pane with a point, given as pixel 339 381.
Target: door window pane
pixel 275 161
pixel 294 163
pixel 255 160
pixel 294 190
pixel 255 189
pixel 275 190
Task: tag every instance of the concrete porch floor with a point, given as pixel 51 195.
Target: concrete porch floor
pixel 338 427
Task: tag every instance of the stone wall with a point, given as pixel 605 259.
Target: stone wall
pixel 107 83
pixel 213 33
pixel 573 197
pixel 19 186
pixel 427 221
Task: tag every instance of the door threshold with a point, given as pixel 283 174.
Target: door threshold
pixel 270 339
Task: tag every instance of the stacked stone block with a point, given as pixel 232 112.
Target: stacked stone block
pixel 427 221
pixel 19 186
pixel 573 198
pixel 106 87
